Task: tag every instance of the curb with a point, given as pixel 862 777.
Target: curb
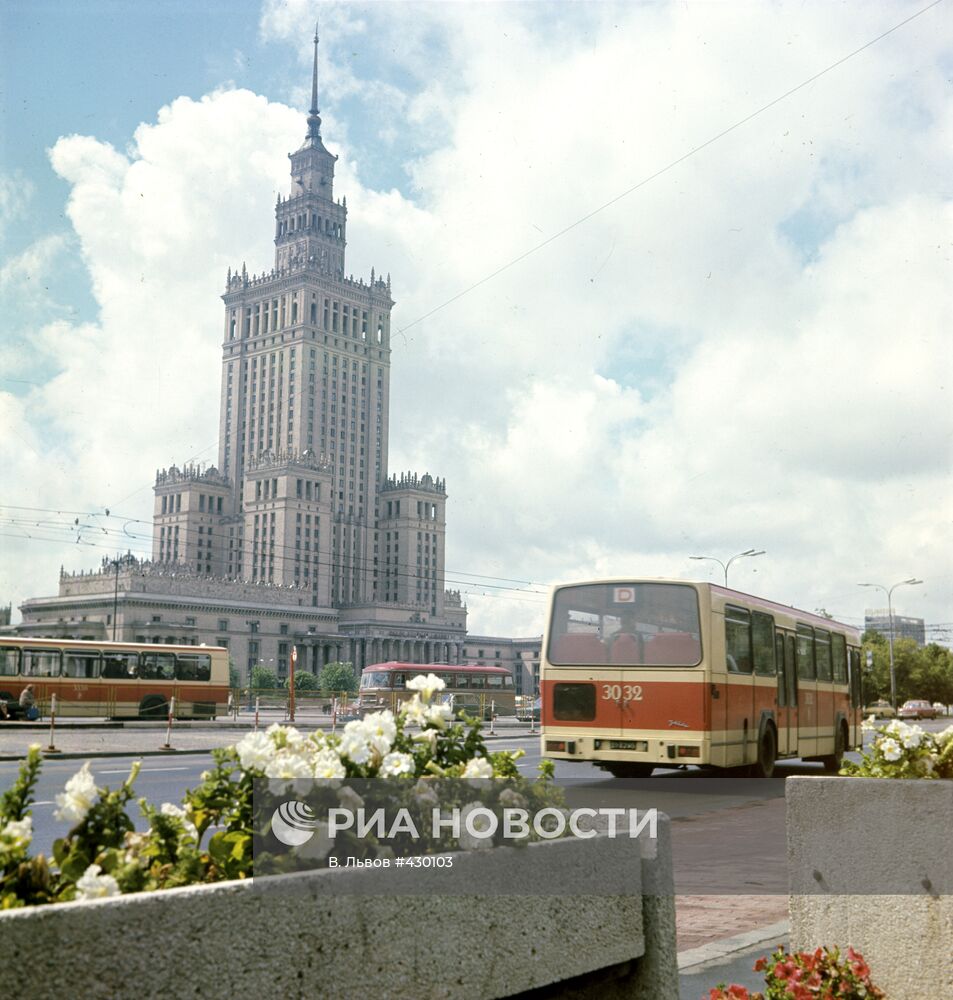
pixel 81 755
pixel 717 951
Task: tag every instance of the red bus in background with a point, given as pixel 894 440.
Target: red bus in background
pixel 116 679
pixel 639 674
pixel 479 691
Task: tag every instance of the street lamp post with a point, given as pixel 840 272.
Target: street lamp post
pixel 724 566
pixel 912 582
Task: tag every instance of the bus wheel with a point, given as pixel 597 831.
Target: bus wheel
pixel 153 706
pixel 629 769
pixel 832 762
pixel 767 752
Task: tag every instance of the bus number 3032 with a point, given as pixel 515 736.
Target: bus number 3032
pixel 625 692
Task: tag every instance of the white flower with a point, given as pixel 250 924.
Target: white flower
pixel 318 846
pixel 170 809
pixel 380 730
pixel 426 685
pixel 78 797
pixel 481 824
pixel 18 831
pixel 912 738
pixel 414 711
pixel 255 751
pixel 943 738
pixel 354 745
pixel 427 736
pixel 350 799
pixel 286 764
pixel 890 749
pixel 425 793
pixel 327 764
pixel 439 715
pixel 395 764
pixel 478 768
pixel 869 724
pixel 93 885
pixel 511 799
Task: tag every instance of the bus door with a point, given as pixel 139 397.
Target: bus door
pixel 787 694
pixel 807 691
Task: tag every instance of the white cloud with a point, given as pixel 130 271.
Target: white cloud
pixel 750 349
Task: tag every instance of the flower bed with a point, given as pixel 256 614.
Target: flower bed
pixel 211 835
pixel 501 928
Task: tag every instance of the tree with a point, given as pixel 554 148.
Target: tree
pixel 338 677
pixel 234 677
pixel 304 681
pixel 263 678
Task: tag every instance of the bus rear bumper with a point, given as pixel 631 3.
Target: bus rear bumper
pixel 658 748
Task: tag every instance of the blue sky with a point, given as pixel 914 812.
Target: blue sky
pixel 749 350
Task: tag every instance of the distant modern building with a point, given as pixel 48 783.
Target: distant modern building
pixel 904 627
pixel 299 535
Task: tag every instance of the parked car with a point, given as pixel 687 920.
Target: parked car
pixel 941 709
pixel 917 709
pixel 880 710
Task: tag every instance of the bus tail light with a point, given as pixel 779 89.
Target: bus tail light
pixel 689 752
pixel 561 746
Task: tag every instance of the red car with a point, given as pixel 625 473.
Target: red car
pixel 917 709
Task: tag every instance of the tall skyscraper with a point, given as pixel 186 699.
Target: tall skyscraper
pixel 301 499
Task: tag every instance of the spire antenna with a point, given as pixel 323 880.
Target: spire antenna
pixel 314 119
pixel 314 76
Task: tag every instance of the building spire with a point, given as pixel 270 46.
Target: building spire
pixel 314 119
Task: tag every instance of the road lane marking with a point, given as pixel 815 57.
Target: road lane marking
pixel 145 770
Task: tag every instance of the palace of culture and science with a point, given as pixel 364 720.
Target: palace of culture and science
pixel 299 536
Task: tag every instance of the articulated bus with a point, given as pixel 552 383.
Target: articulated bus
pixel 116 679
pixel 639 674
pixel 479 691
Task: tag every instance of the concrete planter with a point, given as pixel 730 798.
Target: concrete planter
pixel 871 866
pixel 586 918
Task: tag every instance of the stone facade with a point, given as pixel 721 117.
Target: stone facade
pixel 519 656
pixel 299 534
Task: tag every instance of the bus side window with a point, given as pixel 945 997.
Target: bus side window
pixel 398 680
pixel 8 662
pixel 738 640
pixel 805 652
pixel 41 663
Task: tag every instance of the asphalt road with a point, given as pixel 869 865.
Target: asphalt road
pixel 682 795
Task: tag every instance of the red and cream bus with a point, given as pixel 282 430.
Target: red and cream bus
pixel 116 679
pixel 639 674
pixel 479 691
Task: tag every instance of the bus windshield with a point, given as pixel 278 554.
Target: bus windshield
pixel 627 624
pixel 376 679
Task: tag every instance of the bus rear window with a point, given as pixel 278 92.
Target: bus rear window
pixel 628 625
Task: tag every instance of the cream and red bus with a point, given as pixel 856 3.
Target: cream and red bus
pixel 116 679
pixel 480 691
pixel 639 674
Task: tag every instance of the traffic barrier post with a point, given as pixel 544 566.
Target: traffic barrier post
pixel 52 748
pixel 493 717
pixel 256 712
pixel 168 733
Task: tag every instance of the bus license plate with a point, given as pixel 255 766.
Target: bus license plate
pixel 629 745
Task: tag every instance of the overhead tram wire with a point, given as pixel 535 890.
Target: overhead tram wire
pixel 364 563
pixel 363 566
pixel 669 166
